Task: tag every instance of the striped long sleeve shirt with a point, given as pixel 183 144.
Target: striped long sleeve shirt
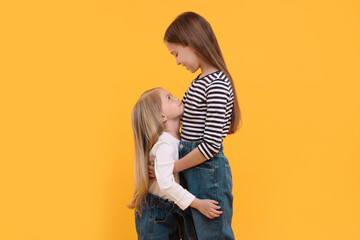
pixel 207 115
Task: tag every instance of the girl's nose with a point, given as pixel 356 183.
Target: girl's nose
pixel 177 62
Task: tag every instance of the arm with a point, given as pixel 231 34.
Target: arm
pixel 190 160
pixel 164 164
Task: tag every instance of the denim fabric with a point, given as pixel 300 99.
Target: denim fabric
pixel 211 179
pixel 162 219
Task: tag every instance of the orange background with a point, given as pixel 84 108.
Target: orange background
pixel 71 72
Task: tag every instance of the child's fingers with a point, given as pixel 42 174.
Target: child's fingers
pixel 216 212
pixel 214 202
pixel 151 169
pixel 215 206
pixel 213 215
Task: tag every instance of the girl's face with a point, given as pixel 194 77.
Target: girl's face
pixel 185 56
pixel 172 108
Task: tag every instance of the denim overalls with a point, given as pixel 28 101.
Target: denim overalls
pixel 211 179
pixel 162 219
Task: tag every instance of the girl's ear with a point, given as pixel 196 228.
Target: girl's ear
pixel 164 118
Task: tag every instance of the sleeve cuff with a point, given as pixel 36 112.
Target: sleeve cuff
pixel 203 150
pixel 185 201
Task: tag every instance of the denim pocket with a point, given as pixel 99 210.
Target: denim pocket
pixel 202 182
pixel 160 215
pixel 206 166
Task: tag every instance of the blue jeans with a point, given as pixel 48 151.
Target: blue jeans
pixel 211 179
pixel 162 219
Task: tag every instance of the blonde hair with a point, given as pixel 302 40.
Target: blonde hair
pixel 191 29
pixel 147 127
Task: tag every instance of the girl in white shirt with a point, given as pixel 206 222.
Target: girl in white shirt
pixel 160 205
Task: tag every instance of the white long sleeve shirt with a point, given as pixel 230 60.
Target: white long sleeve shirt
pixel 166 152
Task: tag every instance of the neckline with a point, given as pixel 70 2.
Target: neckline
pixel 207 75
pixel 174 138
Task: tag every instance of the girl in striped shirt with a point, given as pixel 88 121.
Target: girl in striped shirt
pixel 211 112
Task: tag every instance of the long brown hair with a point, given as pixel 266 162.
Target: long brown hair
pixel 191 29
pixel 147 127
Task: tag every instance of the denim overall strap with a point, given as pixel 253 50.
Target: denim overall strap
pixel 211 179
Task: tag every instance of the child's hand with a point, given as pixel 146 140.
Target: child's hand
pixel 151 170
pixel 207 207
